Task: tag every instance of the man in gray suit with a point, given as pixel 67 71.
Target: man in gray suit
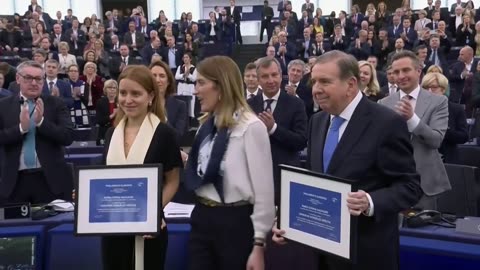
pixel 426 115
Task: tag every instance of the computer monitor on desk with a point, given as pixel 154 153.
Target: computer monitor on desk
pixel 18 253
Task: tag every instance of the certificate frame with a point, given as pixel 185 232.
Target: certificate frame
pixel 340 242
pixel 137 212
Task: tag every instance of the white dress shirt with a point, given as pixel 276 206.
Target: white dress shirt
pixel 272 106
pixel 246 176
pixel 248 93
pixel 413 122
pixel 347 115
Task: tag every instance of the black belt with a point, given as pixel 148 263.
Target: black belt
pixel 30 171
pixel 211 203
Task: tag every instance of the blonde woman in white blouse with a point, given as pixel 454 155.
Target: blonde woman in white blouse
pixel 64 58
pixel 229 168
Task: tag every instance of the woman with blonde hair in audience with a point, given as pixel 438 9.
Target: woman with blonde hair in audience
pixel 141 135
pixel 93 85
pixel 229 169
pixel 456 132
pixel 65 59
pixel 101 59
pixel 368 83
pixel 370 10
pixel 435 69
pixel 274 40
pixel 382 14
pixel 106 109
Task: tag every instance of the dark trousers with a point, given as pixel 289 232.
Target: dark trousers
pixel 238 34
pixel 32 187
pixel 221 238
pixel 265 26
pixel 118 252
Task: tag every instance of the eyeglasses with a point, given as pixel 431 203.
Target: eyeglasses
pixel 29 79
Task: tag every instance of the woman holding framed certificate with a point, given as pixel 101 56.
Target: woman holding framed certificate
pixel 141 136
pixel 229 168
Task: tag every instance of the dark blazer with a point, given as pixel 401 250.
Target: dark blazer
pixel 147 52
pixel 5 93
pixel 455 80
pixel 178 55
pixel 342 45
pixel 465 37
pixel 65 91
pixel 304 92
pixel 290 136
pixel 457 132
pixel 236 16
pixel 52 136
pixel 14 88
pixel 139 40
pixel 216 28
pixel 411 35
pixel 102 117
pixel 116 62
pixel 176 115
pixel 81 40
pixel 375 152
pixel 146 36
pixel 17 39
pixel 48 22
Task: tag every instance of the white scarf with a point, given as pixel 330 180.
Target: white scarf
pixel 139 148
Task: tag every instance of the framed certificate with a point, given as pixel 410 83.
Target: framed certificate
pixel 123 199
pixel 313 211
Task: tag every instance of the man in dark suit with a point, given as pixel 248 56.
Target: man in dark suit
pixel 284 51
pixel 304 46
pixel 234 13
pixel 171 55
pixel 33 168
pixel 153 47
pixel 45 17
pixel 11 39
pixel 112 25
pixel 55 87
pixel 356 139
pixel 281 6
pixel 458 3
pixel 120 62
pixel 33 6
pixel 309 8
pixel 134 39
pixel 144 29
pixel 76 39
pixel 465 67
pixel 267 15
pixel 408 34
pixel 251 81
pixel 283 114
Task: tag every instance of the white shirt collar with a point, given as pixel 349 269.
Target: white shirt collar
pixel 413 94
pixel 296 84
pixel 254 93
pixel 54 81
pixel 391 84
pixel 350 109
pixel 274 97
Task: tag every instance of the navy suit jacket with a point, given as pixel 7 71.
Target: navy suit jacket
pixel 411 35
pixel 290 136
pixel 55 132
pixel 374 152
pixel 455 80
pixel 176 115
pixel 65 90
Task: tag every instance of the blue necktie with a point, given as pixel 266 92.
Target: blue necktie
pixel 29 143
pixel 331 141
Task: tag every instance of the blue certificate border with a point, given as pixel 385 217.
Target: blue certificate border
pixel 353 219
pixel 159 209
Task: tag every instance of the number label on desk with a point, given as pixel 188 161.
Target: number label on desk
pixel 15 211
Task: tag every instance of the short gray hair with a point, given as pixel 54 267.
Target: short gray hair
pixel 266 62
pixel 27 64
pixel 297 62
pixel 346 63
